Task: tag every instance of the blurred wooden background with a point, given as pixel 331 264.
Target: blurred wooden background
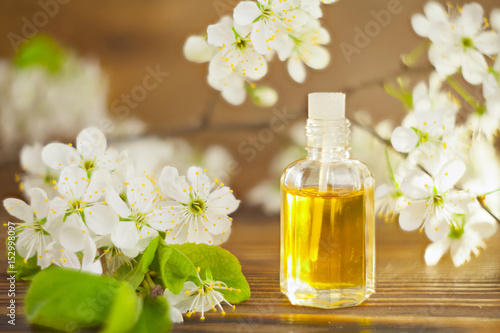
pixel 128 36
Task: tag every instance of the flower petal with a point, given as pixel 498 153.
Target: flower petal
pixel 146 235
pixel 474 67
pixel 19 209
pixel 23 246
pixel 89 254
pixel 435 251
pixel 125 235
pixel 219 34
pixel 450 174
pixel 404 139
pixel 417 184
pixel 421 25
pixel 57 208
pixel 246 12
pixel 317 57
pixel 174 300
pixel 73 233
pixel 141 194
pixel 482 223
pixel 255 67
pixel 39 202
pixel 222 201
pixel 444 58
pixel 435 229
pixel 216 223
pixel 296 69
pixel 173 185
pixel 218 68
pixel 259 38
pixel 234 90
pixel 196 49
pixel 495 19
pixel 59 156
pixel 199 180
pixel 31 158
pixel 411 216
pixel 487 42
pixel 435 12
pixel 471 18
pixel 91 143
pixel 96 186
pixel 113 199
pixel 72 183
pixel 460 251
pixel 101 219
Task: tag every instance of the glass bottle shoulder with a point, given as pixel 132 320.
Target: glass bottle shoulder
pixel 337 175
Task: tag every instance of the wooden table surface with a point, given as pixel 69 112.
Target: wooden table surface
pixel 410 297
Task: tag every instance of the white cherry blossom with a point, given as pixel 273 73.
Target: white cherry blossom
pixel 432 120
pixel 263 96
pixel 270 20
pixel 464 237
pixel 36 173
pixel 201 208
pixel 305 47
pixel 201 297
pixel 80 208
pixel 33 238
pixel 141 215
pixel 196 49
pixel 91 153
pixel 433 202
pixel 61 256
pixel 236 53
pixel 389 201
pixel 459 40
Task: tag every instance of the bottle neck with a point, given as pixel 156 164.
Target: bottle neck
pixel 328 139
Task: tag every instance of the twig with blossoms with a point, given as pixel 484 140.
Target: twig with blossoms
pixel 435 142
pixel 239 48
pixel 103 215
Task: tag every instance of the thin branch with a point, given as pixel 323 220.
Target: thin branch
pixel 104 264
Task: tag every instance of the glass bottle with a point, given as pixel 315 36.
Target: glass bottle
pixel 327 215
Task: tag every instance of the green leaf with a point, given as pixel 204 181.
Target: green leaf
pixel 411 58
pixel 208 274
pixel 40 50
pixel 174 267
pixel 124 311
pixel 154 317
pixel 403 92
pixel 67 300
pixel 222 265
pixel 134 274
pixel 26 270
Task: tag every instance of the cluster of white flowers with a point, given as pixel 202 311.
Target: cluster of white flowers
pixel 442 153
pixel 239 48
pixel 201 297
pixel 91 202
pixel 56 96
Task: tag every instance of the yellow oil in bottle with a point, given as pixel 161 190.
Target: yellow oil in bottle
pixel 323 254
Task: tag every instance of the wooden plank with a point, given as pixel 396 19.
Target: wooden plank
pixel 409 296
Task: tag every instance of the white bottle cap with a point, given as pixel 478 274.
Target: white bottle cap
pixel 326 106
